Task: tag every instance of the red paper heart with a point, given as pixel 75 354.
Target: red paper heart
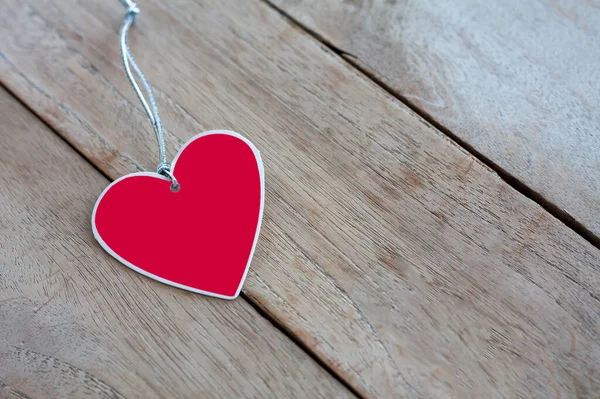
pixel 200 238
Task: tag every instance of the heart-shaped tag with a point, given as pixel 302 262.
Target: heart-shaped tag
pixel 200 238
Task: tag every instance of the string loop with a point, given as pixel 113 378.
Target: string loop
pixel 163 168
pixel 131 6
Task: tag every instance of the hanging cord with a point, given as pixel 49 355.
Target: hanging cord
pixel 163 168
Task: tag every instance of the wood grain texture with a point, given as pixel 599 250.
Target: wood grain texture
pixel 516 80
pixel 74 323
pixel 400 260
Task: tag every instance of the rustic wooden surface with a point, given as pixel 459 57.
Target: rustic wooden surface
pixel 74 323
pixel 398 259
pixel 517 80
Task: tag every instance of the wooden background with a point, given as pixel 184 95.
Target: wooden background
pixel 517 82
pixel 426 233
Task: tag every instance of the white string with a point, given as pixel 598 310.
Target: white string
pixel 163 168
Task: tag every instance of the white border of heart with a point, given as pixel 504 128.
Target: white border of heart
pixel 152 174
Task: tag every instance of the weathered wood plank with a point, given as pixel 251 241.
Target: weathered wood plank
pixel 399 259
pixel 517 80
pixel 73 323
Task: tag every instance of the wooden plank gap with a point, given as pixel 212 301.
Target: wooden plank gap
pixel 46 123
pixel 299 342
pixel 562 215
